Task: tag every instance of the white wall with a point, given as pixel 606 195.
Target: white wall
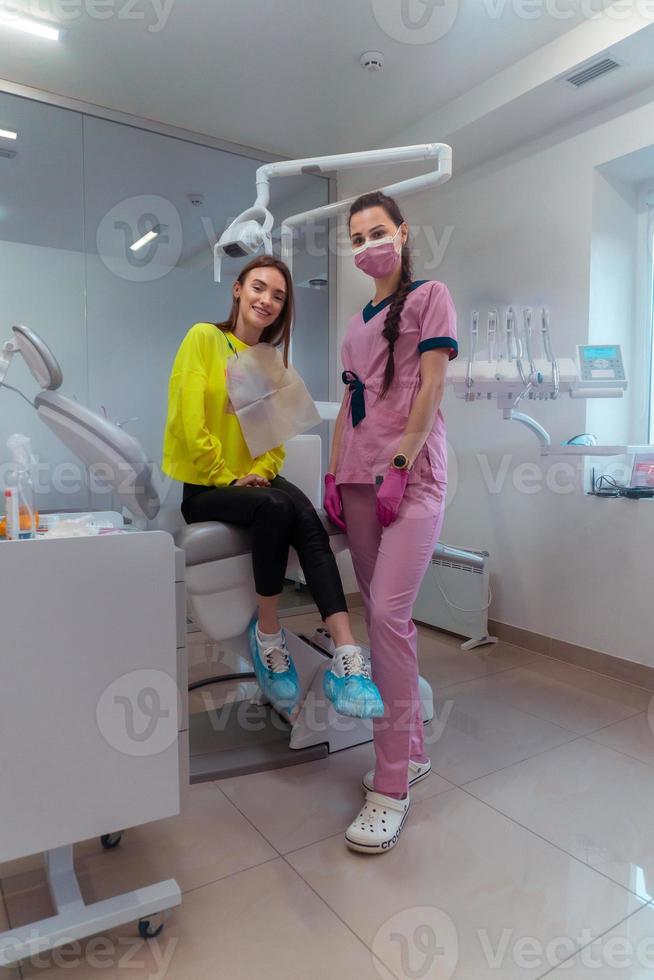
pixel 565 565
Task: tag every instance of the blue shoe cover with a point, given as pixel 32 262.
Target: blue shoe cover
pixel 351 690
pixel 282 689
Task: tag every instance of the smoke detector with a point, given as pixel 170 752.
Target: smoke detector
pixel 372 61
pixel 197 200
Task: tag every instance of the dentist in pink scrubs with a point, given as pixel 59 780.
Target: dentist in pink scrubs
pixel 386 487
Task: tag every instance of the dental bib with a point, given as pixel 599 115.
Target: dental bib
pixel 271 401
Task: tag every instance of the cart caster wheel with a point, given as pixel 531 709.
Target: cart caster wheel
pixel 109 841
pixel 147 932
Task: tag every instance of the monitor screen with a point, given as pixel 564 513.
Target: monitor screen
pixel 642 474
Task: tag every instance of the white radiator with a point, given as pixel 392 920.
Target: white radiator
pixel 455 594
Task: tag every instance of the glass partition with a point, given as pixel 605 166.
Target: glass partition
pixel 79 192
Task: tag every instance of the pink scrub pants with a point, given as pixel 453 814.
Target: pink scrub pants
pixel 390 564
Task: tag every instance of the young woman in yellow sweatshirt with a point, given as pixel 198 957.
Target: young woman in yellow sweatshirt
pixel 205 449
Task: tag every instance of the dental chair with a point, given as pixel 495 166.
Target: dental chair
pixel 222 601
pixel 238 737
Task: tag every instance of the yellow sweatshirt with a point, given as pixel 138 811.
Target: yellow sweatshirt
pixel 203 442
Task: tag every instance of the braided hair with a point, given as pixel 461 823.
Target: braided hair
pixel 391 329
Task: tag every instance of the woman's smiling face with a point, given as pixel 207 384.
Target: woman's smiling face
pixel 262 297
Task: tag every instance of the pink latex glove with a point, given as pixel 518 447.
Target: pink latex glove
pixel 390 494
pixel 333 503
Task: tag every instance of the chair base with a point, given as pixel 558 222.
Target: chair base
pixel 250 736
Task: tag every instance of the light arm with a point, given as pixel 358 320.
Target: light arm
pixel 441 152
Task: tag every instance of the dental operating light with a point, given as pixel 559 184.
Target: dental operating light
pixel 245 236
pixel 252 230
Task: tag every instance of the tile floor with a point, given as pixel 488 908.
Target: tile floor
pixel 527 852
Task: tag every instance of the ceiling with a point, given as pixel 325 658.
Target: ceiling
pixel 282 75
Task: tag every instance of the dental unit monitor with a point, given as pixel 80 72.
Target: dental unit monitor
pixel 601 363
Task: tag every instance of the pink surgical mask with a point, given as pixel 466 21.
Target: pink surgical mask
pixel 378 259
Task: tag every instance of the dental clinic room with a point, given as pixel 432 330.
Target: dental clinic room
pixel 327 476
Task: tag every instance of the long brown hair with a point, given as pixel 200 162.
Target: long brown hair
pixel 278 332
pixel 391 329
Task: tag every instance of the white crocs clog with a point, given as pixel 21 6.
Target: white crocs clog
pixel 378 825
pixel 417 771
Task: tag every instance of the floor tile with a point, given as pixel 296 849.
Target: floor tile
pixel 443 665
pixel 209 841
pixel 571 697
pixel 624 953
pixel 634 737
pixel 265 922
pixel 593 802
pixel 467 883
pixel 473 734
pixel 298 805
pixel 443 662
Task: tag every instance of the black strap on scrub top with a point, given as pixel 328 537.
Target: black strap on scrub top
pixel 358 404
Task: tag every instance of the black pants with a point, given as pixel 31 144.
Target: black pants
pixel 280 516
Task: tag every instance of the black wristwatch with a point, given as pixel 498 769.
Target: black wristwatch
pixel 401 461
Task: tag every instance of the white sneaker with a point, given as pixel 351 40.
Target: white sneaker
pixel 417 771
pixel 378 825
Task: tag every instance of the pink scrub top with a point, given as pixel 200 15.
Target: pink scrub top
pixel 428 322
